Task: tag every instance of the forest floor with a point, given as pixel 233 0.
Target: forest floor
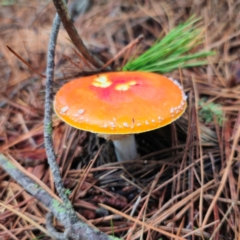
pixel 186 180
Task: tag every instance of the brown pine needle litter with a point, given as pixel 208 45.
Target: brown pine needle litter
pixel 186 183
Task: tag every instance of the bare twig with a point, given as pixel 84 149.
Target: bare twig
pixel 25 62
pixel 62 10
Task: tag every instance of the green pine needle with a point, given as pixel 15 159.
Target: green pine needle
pixel 172 52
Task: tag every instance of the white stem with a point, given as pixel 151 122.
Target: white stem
pixel 125 148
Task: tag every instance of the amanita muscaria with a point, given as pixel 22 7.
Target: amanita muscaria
pixel 116 105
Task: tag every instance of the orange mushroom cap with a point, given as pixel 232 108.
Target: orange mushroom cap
pixel 120 102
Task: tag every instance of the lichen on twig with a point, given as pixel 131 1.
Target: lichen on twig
pixel 78 229
pixel 48 112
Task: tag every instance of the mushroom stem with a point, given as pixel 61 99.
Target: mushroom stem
pixel 125 148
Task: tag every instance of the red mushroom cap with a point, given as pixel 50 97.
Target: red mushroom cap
pixel 120 102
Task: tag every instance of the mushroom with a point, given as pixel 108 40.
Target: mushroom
pixel 116 105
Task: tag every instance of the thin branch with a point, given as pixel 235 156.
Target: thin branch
pixel 63 13
pixel 52 230
pixel 48 113
pixel 24 61
pixel 76 229
pixel 70 217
